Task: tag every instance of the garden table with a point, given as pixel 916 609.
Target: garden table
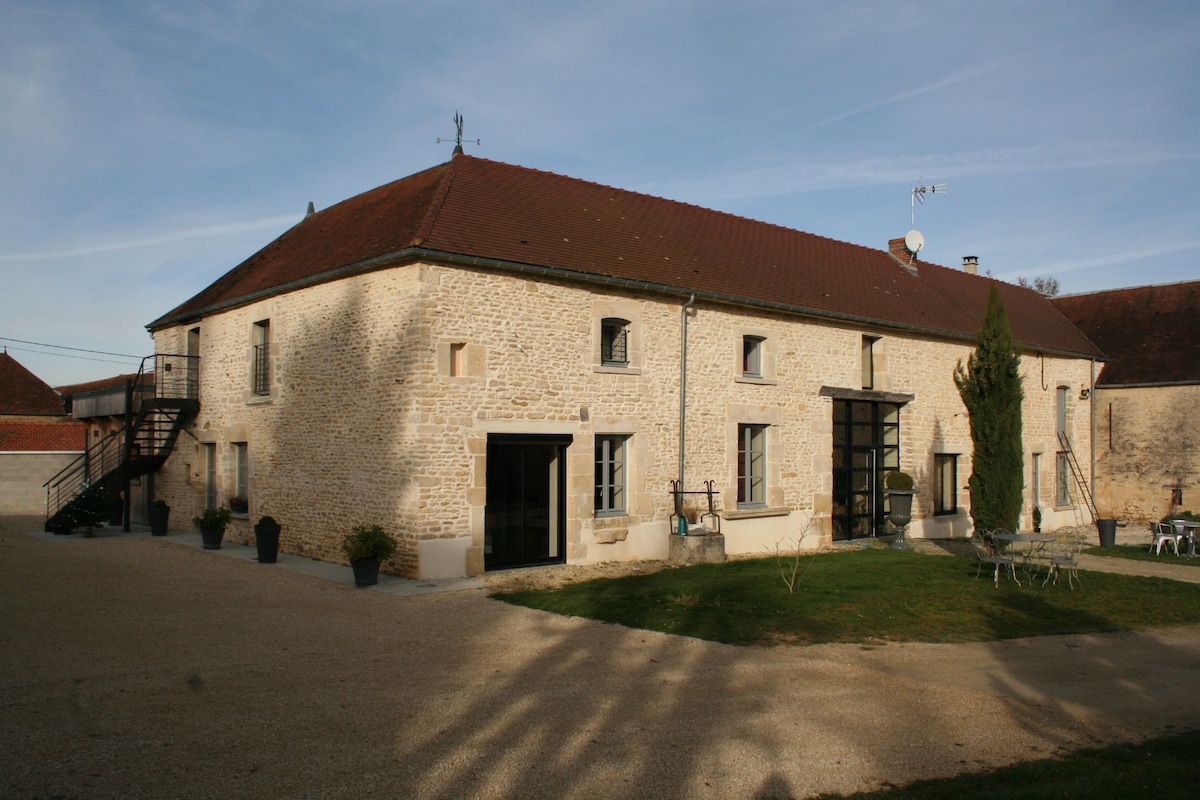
pixel 1187 528
pixel 1037 543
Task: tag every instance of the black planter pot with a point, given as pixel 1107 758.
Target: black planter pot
pixel 159 515
pixel 1108 532
pixel 116 512
pixel 366 571
pixel 266 538
pixel 211 538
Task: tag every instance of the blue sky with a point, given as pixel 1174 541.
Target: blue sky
pixel 148 147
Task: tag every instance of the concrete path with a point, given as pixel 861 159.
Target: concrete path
pixel 141 667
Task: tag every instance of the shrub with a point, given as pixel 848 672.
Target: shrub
pixel 368 541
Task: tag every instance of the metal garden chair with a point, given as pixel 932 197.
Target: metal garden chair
pixel 988 550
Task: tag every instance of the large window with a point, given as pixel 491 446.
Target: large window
pixel 210 476
pixel 752 465
pixel 610 475
pixel 1060 411
pixel 262 357
pixel 945 484
pixel 614 342
pixel 752 347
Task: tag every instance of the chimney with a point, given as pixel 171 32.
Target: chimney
pixel 971 265
pixel 898 249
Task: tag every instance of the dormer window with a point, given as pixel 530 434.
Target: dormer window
pixel 614 342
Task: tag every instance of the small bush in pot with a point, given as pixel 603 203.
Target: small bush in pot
pixel 160 516
pixel 898 481
pixel 212 523
pixel 366 546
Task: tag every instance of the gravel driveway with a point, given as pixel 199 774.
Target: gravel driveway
pixel 142 668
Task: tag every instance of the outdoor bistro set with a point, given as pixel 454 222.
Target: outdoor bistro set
pixel 1059 552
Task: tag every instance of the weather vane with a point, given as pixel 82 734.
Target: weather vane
pixel 458 140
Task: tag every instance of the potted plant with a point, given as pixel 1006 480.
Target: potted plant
pixel 1037 519
pixel 1107 528
pixel 366 546
pixel 898 486
pixel 212 523
pixel 239 505
pixel 160 515
pixel 266 539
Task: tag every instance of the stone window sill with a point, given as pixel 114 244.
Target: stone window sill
pixel 754 513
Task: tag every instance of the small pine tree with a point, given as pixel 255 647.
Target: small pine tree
pixel 990 387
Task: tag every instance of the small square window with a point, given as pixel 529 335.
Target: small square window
pixel 614 342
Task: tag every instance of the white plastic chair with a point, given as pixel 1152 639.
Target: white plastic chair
pixel 1164 533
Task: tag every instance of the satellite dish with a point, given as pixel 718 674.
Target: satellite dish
pixel 914 241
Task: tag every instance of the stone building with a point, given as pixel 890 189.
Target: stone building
pixel 504 367
pixel 1147 397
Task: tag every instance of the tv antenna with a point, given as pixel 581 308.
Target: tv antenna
pixel 458 140
pixel 918 196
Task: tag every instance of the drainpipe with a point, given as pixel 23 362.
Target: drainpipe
pixel 683 383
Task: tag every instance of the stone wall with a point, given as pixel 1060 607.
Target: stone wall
pixel 1147 447
pixel 22 476
pixel 385 386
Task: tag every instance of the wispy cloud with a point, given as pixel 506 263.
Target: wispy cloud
pixel 951 80
pixel 207 232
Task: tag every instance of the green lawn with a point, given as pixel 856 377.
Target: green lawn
pixel 1143 553
pixel 865 595
pixel 1167 768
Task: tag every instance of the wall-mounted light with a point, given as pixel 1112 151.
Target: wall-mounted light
pixel 1085 393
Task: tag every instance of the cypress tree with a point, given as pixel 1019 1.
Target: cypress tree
pixel 990 387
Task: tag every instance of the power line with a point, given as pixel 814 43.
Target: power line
pixel 68 355
pixel 64 347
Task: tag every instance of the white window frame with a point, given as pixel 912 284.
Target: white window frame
pixel 612 475
pixel 752 466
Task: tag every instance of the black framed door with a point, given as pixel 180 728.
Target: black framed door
pixel 866 445
pixel 525 512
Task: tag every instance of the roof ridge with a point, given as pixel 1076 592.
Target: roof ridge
pixel 439 199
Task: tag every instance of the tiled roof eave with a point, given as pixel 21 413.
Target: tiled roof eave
pixel 413 254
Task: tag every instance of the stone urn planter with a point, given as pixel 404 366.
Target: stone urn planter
pixel 899 489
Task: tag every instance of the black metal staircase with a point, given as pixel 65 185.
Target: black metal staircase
pixel 155 412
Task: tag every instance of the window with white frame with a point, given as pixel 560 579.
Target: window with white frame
pixel 241 478
pixel 611 475
pixel 752 356
pixel 614 342
pixel 262 357
pixel 752 466
pixel 945 484
pixel 1062 480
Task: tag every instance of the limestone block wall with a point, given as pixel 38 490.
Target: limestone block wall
pixel 22 475
pixel 1147 449
pixel 385 387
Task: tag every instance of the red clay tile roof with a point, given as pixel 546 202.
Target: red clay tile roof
pixel 489 215
pixel 22 392
pixel 1149 333
pixel 65 436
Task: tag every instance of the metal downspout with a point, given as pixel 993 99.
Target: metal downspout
pixel 683 327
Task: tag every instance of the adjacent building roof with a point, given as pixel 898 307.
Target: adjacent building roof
pixel 1149 333
pixel 486 215
pixel 22 392
pixel 42 437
